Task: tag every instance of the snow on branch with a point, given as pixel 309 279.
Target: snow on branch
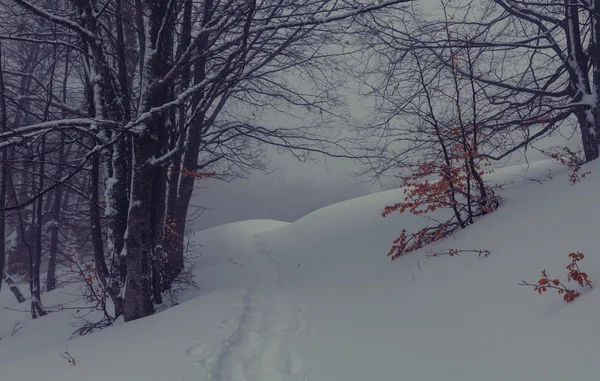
pixel 20 134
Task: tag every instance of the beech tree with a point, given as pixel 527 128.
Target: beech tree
pixel 153 88
pixel 564 76
pixel 537 64
pixel 444 115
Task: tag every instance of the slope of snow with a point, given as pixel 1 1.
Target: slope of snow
pixel 318 300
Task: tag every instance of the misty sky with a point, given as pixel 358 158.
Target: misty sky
pixel 292 191
pixel 296 189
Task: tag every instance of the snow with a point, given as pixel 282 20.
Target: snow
pixel 11 240
pixel 317 299
pixel 109 195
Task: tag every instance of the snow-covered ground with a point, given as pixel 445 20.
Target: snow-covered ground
pixel 317 299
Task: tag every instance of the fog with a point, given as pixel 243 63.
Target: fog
pixel 293 190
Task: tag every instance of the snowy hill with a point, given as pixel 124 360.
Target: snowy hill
pixel 317 299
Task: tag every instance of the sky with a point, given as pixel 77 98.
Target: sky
pixel 292 191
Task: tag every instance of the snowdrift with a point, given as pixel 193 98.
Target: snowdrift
pixel 318 300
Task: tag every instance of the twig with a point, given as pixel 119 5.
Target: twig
pixel 16 328
pixel 236 263
pixel 454 252
pixel 67 356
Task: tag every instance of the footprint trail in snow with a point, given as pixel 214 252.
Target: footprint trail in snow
pixel 267 344
pixel 270 340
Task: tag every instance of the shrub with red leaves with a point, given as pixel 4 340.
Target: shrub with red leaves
pixel 575 275
pixel 570 159
pixel 460 187
pixel 455 137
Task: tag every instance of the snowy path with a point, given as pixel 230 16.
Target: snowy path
pixel 270 341
pixel 453 319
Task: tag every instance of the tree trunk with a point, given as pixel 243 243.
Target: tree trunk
pixel 14 288
pixel 173 263
pixel 56 207
pixel 122 61
pixel 190 161
pixel 577 66
pixel 18 254
pixel 589 128
pixel 58 193
pixel 594 57
pixel 138 244
pixel 96 222
pixel 106 94
pixel 36 298
pixel 4 179
pixel 143 245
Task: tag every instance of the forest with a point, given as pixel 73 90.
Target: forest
pixel 113 113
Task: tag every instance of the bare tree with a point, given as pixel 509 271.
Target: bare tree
pixel 438 118
pixel 154 110
pixel 537 64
